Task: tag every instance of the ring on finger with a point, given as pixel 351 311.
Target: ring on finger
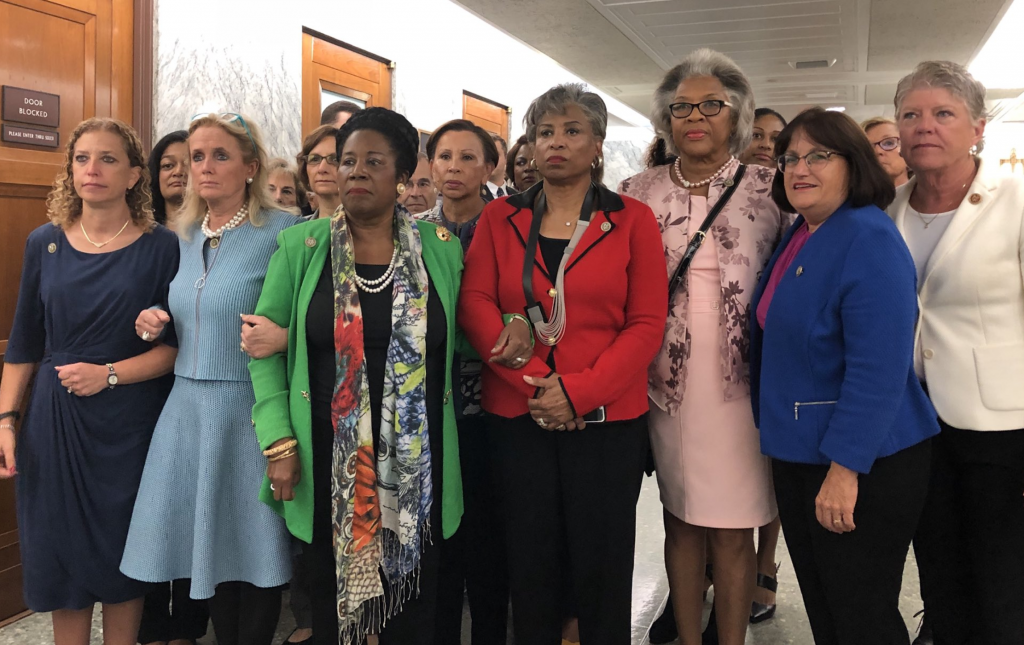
pixel 836 521
pixel 561 427
pixel 520 359
pixel 70 391
pixel 542 423
pixel 242 345
pixel 146 336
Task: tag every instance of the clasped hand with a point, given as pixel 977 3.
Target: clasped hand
pixel 551 409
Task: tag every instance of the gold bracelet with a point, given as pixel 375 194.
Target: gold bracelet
pixel 283 456
pixel 287 445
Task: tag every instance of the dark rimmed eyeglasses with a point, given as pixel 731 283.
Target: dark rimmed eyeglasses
pixel 314 160
pixel 707 108
pixel 888 144
pixel 814 160
pixel 229 117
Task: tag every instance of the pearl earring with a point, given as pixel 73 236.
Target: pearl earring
pixel 249 180
pixel 400 188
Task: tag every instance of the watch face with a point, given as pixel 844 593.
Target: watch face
pixel 112 379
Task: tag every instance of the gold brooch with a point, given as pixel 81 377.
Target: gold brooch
pixel 310 242
pixel 443 234
pixel 975 198
pixel 552 292
pixel 52 248
pixel 799 270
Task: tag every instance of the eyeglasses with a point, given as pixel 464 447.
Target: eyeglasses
pixel 816 159
pixel 888 144
pixel 230 117
pixel 707 108
pixel 314 160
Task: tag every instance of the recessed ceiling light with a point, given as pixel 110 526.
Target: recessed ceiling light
pixel 837 108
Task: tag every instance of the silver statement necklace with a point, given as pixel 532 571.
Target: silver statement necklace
pixel 677 167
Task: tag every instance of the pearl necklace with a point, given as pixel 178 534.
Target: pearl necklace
pixel 232 223
pixel 677 167
pixel 381 283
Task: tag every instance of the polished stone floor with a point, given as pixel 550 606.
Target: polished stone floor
pixel 650 589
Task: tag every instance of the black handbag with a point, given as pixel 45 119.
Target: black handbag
pixel 698 238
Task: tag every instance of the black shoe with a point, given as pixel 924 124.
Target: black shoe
pixel 924 630
pixel 664 629
pixel 308 641
pixel 710 635
pixel 758 612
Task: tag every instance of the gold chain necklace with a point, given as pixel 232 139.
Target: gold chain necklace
pixel 101 245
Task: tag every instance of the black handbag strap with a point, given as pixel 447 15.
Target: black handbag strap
pixel 698 238
pixel 534 311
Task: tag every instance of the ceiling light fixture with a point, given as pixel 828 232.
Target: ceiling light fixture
pixel 837 108
pixel 993 66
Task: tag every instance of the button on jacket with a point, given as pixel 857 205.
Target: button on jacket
pixel 616 298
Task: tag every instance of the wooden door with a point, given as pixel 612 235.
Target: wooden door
pixel 333 71
pixel 487 114
pixel 80 50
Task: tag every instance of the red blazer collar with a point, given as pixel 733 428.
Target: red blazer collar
pixel 601 223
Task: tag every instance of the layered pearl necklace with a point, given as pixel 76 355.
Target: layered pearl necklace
pixel 677 167
pixel 234 222
pixel 381 283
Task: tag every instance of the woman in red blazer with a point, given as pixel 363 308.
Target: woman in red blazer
pixel 570 434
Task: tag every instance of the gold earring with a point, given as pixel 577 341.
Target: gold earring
pixel 532 164
pixel 400 188
pixel 597 163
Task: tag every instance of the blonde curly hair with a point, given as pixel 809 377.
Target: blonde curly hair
pixel 250 141
pixel 64 206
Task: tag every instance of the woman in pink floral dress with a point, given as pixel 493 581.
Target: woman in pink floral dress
pixel 715 483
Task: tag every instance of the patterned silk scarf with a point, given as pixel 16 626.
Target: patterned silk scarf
pixel 380 506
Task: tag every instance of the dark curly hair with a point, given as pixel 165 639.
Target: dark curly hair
pixel 159 203
pixel 401 135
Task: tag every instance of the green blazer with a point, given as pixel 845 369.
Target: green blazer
pixel 281 381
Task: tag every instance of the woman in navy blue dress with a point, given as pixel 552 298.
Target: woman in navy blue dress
pixel 99 387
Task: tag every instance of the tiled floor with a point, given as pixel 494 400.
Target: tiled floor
pixel 650 589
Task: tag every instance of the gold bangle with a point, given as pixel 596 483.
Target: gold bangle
pixel 287 445
pixel 284 455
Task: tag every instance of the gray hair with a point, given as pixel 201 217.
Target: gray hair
pixel 560 97
pixel 707 62
pixel 949 76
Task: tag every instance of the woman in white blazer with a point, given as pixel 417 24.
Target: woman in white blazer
pixel 964 223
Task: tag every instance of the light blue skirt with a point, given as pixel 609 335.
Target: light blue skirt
pixel 198 513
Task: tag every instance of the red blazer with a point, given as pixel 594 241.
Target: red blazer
pixel 616 300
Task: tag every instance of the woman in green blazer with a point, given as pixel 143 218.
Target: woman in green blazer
pixel 356 420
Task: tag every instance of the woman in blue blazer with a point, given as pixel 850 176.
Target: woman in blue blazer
pixel 840 410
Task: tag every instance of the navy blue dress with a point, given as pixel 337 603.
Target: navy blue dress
pixel 80 459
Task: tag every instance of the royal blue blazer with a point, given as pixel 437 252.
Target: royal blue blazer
pixel 832 374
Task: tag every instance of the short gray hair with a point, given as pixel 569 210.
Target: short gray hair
pixel 950 76
pixel 560 97
pixel 707 62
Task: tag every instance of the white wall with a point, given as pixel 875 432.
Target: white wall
pixel 238 56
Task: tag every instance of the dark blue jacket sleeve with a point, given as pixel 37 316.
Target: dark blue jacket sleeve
pixel 878 311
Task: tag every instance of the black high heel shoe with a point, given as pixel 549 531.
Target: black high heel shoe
pixel 760 612
pixel 664 629
pixel 924 630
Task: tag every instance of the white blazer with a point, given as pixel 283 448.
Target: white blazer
pixel 970 332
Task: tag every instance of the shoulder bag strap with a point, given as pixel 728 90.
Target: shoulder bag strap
pixel 702 232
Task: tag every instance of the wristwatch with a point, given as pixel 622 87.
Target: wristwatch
pixel 112 377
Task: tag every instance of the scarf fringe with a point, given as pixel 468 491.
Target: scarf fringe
pixel 372 615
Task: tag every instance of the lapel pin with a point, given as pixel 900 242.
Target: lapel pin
pixel 443 234
pixel 310 242
pixel 800 270
pixel 552 292
pixel 975 198
pixel 52 248
pixel 728 183
pixel 607 226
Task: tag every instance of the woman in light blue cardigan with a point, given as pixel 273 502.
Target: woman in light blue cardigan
pixel 198 514
pixel 835 396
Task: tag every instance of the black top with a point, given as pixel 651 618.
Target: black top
pixel 376 309
pixel 552 249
